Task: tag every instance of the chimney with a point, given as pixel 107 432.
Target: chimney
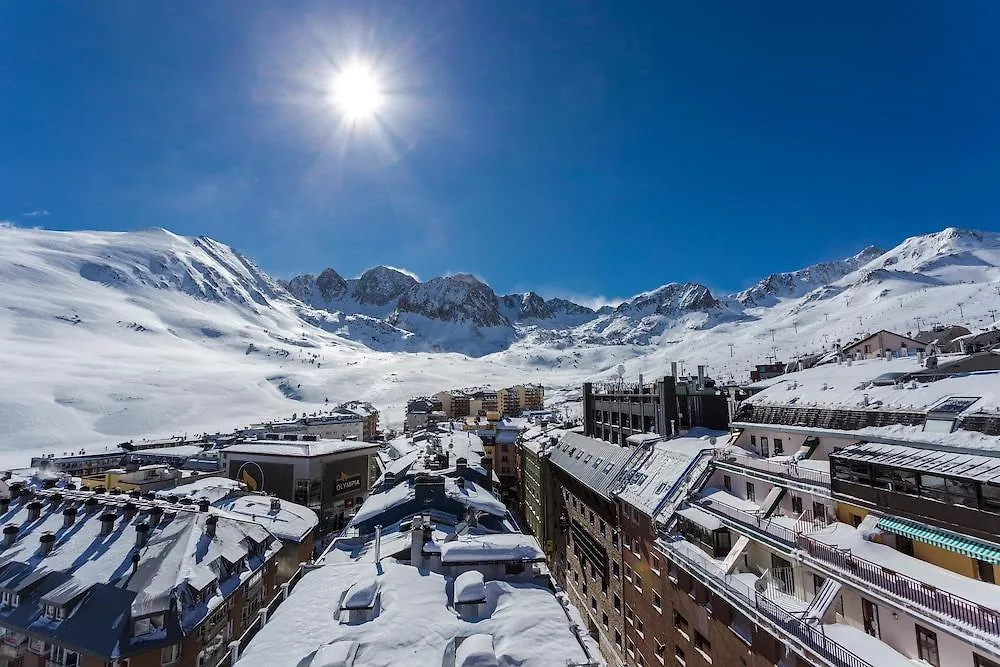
pixel 69 517
pixel 15 489
pixel 71 487
pixel 115 491
pixel 135 562
pixel 107 523
pixel 4 505
pixel 275 505
pixel 130 509
pixel 172 499
pixel 9 534
pixel 460 482
pixel 203 505
pixel 91 504
pixel 701 377
pixel 135 494
pixel 34 510
pixel 155 515
pixel 141 533
pixel 48 484
pixel 388 480
pixel 673 369
pixel 210 523
pixel 100 489
pixel 417 541
pixel 56 499
pixel 378 543
pixel 46 541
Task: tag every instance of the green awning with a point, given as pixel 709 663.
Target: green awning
pixel 941 538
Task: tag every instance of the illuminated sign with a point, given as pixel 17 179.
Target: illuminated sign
pixel 346 481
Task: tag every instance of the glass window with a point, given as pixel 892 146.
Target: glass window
pixel 751 492
pixel 657 602
pixel 962 492
pixel 980 661
pixel 927 646
pixel 932 486
pixel 991 497
pixel 985 571
pixel 779 447
pixel 170 654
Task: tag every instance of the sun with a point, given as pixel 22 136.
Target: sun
pixel 357 92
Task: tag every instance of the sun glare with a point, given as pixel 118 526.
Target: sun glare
pixel 356 92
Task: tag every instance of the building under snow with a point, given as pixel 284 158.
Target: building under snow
pixel 431 571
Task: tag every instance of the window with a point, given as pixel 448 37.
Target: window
pixel 593 603
pixel 618 639
pixel 856 520
pixel 637 582
pixel 985 571
pixel 703 646
pixel 62 656
pixel 656 564
pixel 682 625
pixel 54 611
pixel 751 492
pixel 615 570
pixel 603 527
pixel 614 537
pixel 679 655
pixel 628 614
pixel 797 505
pixel 635 546
pixel 628 573
pixel 143 626
pixel 661 651
pixel 779 447
pixel 980 661
pixel 170 654
pixel 574 502
pixel 932 486
pixel 604 620
pixel 819 511
pixel 591 518
pixel 927 646
pixel 991 497
pixel 618 603
pixel 753 441
pixel 904 545
pixel 763 447
pixel 638 625
pixel 657 602
pixel 727 483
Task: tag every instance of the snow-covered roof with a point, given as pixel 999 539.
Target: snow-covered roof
pixel 362 593
pixel 415 624
pixel 850 386
pixel 289 521
pixel 476 651
pixel 470 587
pixel 486 548
pixel 470 494
pixel 700 517
pixel 650 480
pixel 303 448
pixel 177 553
pixel 593 462
pixel 213 487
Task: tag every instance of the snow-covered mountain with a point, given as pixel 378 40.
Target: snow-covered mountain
pixel 110 336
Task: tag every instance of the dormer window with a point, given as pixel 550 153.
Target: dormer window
pixel 55 612
pixel 144 626
pixel 9 599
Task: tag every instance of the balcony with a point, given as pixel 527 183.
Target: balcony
pixel 943 608
pixel 806 639
pixel 801 476
pixel 778 532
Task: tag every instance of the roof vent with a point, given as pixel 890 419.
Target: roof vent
pixel 4 505
pixel 91 504
pixel 69 517
pixel 172 499
pixel 107 523
pixel 141 533
pixel 203 505
pixel 46 541
pixel 275 504
pixel 115 491
pixel 131 508
pixel 155 515
pixel 210 524
pixel 10 534
pixel 34 510
pixel 56 499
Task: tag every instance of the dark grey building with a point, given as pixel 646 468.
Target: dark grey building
pixel 615 411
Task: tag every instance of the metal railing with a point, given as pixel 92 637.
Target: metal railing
pixel 902 586
pixel 752 520
pixel 812 638
pixel 787 470
pixel 244 640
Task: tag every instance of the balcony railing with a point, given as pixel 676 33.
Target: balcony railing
pixel 753 521
pixel 786 470
pixel 811 638
pixel 907 588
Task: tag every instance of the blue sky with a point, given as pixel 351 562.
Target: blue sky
pixel 577 148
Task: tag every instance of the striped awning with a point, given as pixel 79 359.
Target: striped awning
pixel 941 538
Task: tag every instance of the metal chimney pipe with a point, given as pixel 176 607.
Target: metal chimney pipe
pixel 701 376
pixel 46 542
pixel 10 534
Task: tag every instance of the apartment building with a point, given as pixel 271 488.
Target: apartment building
pixel 454 404
pixel 533 481
pixel 483 402
pixel 512 401
pixel 93 579
pixel 853 521
pixel 669 406
pixel 882 343
pixel 369 418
